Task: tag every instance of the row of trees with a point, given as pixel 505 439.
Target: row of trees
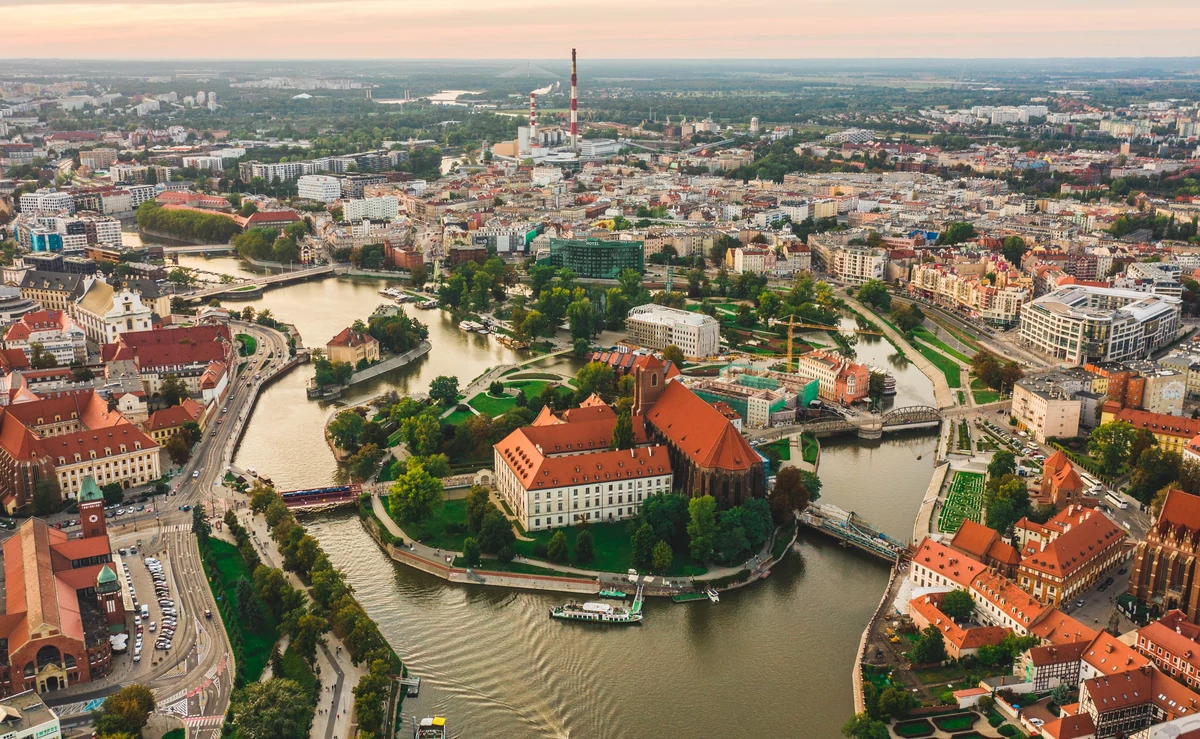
pixel 210 228
pixel 994 372
pixel 334 601
pixel 269 245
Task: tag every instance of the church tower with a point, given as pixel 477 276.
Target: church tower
pixel 91 509
pixel 649 379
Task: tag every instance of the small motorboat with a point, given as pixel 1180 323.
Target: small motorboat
pixel 713 595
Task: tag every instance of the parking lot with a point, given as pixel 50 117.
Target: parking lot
pixel 147 581
pixel 1099 601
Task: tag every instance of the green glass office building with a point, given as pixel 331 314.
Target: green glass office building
pixel 597 258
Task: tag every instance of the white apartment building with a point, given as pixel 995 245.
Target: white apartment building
pixel 105 314
pixel 116 201
pixel 319 187
pixel 47 201
pixel 54 330
pixel 657 326
pixel 139 194
pixel 1079 323
pixel 384 208
pixel 755 260
pixel 1044 408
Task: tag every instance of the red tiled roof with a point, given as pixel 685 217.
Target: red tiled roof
pixel 1180 510
pixel 351 338
pixel 1057 627
pixel 1157 423
pixel 1070 727
pixel 700 431
pixel 175 416
pixel 1108 655
pixel 537 470
pixel 981 543
pixel 946 562
pixel 1082 535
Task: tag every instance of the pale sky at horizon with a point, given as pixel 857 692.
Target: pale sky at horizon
pixel 617 29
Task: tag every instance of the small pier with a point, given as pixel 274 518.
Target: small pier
pixel 638 597
pixel 412 684
pixel 851 530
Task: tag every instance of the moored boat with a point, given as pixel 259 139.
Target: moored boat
pixel 613 593
pixel 713 595
pixel 595 612
pixel 430 728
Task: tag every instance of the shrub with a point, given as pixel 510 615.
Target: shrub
pixel 539 549
pixel 955 721
pixel 1007 730
pixel 914 728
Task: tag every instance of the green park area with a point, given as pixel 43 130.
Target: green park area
pixel 444 528
pixel 490 405
pixel 249 344
pixel 964 500
pixel 929 338
pixel 454 419
pixel 613 548
pixel 983 393
pixel 948 366
pixel 257 645
pixel 809 448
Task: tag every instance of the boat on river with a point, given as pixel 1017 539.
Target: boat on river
pixel 469 326
pixel 430 728
pixel 427 304
pixel 889 382
pixel 713 595
pixel 613 593
pixel 596 612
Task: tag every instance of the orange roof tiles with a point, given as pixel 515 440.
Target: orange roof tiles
pixel 948 563
pixel 1158 423
pixel 700 431
pixel 1107 655
pixel 982 543
pixel 1080 534
pixel 1057 627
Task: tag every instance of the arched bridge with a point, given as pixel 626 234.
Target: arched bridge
pixel 912 416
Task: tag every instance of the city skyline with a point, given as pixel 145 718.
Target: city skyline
pixel 372 29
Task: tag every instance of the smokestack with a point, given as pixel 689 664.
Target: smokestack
pixel 574 105
pixel 533 120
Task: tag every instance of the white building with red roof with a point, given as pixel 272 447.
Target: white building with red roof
pixel 58 334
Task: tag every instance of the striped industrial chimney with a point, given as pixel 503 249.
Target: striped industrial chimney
pixel 574 105
pixel 533 119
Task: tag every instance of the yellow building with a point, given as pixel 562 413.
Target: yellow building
pixel 352 347
pixel 1172 432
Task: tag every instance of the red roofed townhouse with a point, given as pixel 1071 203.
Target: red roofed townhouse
pixel 1073 726
pixel 201 356
pixel 1130 702
pixel 1068 554
pixel 165 423
pixel 62 602
pixel 54 330
pixel 1164 572
pixel 961 641
pixel 272 219
pixel 1173 644
pixel 1061 484
pixel 839 379
pixel 68 438
pixel 985 545
pixel 1052 664
pixel 352 347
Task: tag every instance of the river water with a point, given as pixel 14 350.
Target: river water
pixel 773 659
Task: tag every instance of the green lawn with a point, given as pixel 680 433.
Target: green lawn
pixel 175 734
pixel 295 668
pixel 249 344
pixel 783 446
pixel 394 438
pixel 491 406
pixel 929 337
pixel 458 417
pixel 257 645
pixel 433 530
pixel 983 393
pixel 535 376
pixel 947 365
pixel 613 548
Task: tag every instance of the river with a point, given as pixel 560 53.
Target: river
pixel 773 659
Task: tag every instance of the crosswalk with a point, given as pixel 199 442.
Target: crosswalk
pixel 177 528
pixel 204 720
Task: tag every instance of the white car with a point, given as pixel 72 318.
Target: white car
pixel 195 474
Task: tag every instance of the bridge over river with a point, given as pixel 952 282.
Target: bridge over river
pixel 866 425
pixel 848 528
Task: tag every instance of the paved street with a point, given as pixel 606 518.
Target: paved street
pixel 191 682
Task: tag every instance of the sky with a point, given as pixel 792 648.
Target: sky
pixel 614 29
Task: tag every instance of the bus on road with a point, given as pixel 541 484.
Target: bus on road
pixel 1116 500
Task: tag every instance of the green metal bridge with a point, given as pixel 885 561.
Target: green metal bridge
pixel 851 530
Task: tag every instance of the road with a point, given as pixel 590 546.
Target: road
pixel 192 681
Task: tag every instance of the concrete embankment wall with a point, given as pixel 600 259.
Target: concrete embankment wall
pixel 459 575
pixel 929 502
pixel 388 365
pixel 856 678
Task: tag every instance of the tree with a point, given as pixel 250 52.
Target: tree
pixel 875 293
pixel 580 319
pixel 643 545
pixel 470 552
pixel 39 358
pixel 661 556
pixel 114 493
pixel 1061 694
pixel 596 377
pixel 556 550
pixel 907 317
pixel 275 709
pixel 1156 468
pixel 673 354
pixel 1110 445
pixel 789 495
pixel 495 533
pixel 958 604
pixel 862 726
pixel 702 527
pixel 584 547
pixel 895 702
pixel 930 646
pixel 444 389
pixel 364 463
pixel 345 430
pixel 46 496
pixel 415 494
pixel 956 233
pixel 622 435
pixel 1013 249
pixel 178 448
pixel 580 347
pixel 125 711
pixel 173 390
pixel 479 503
pixel 247 605
pixel 1003 463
